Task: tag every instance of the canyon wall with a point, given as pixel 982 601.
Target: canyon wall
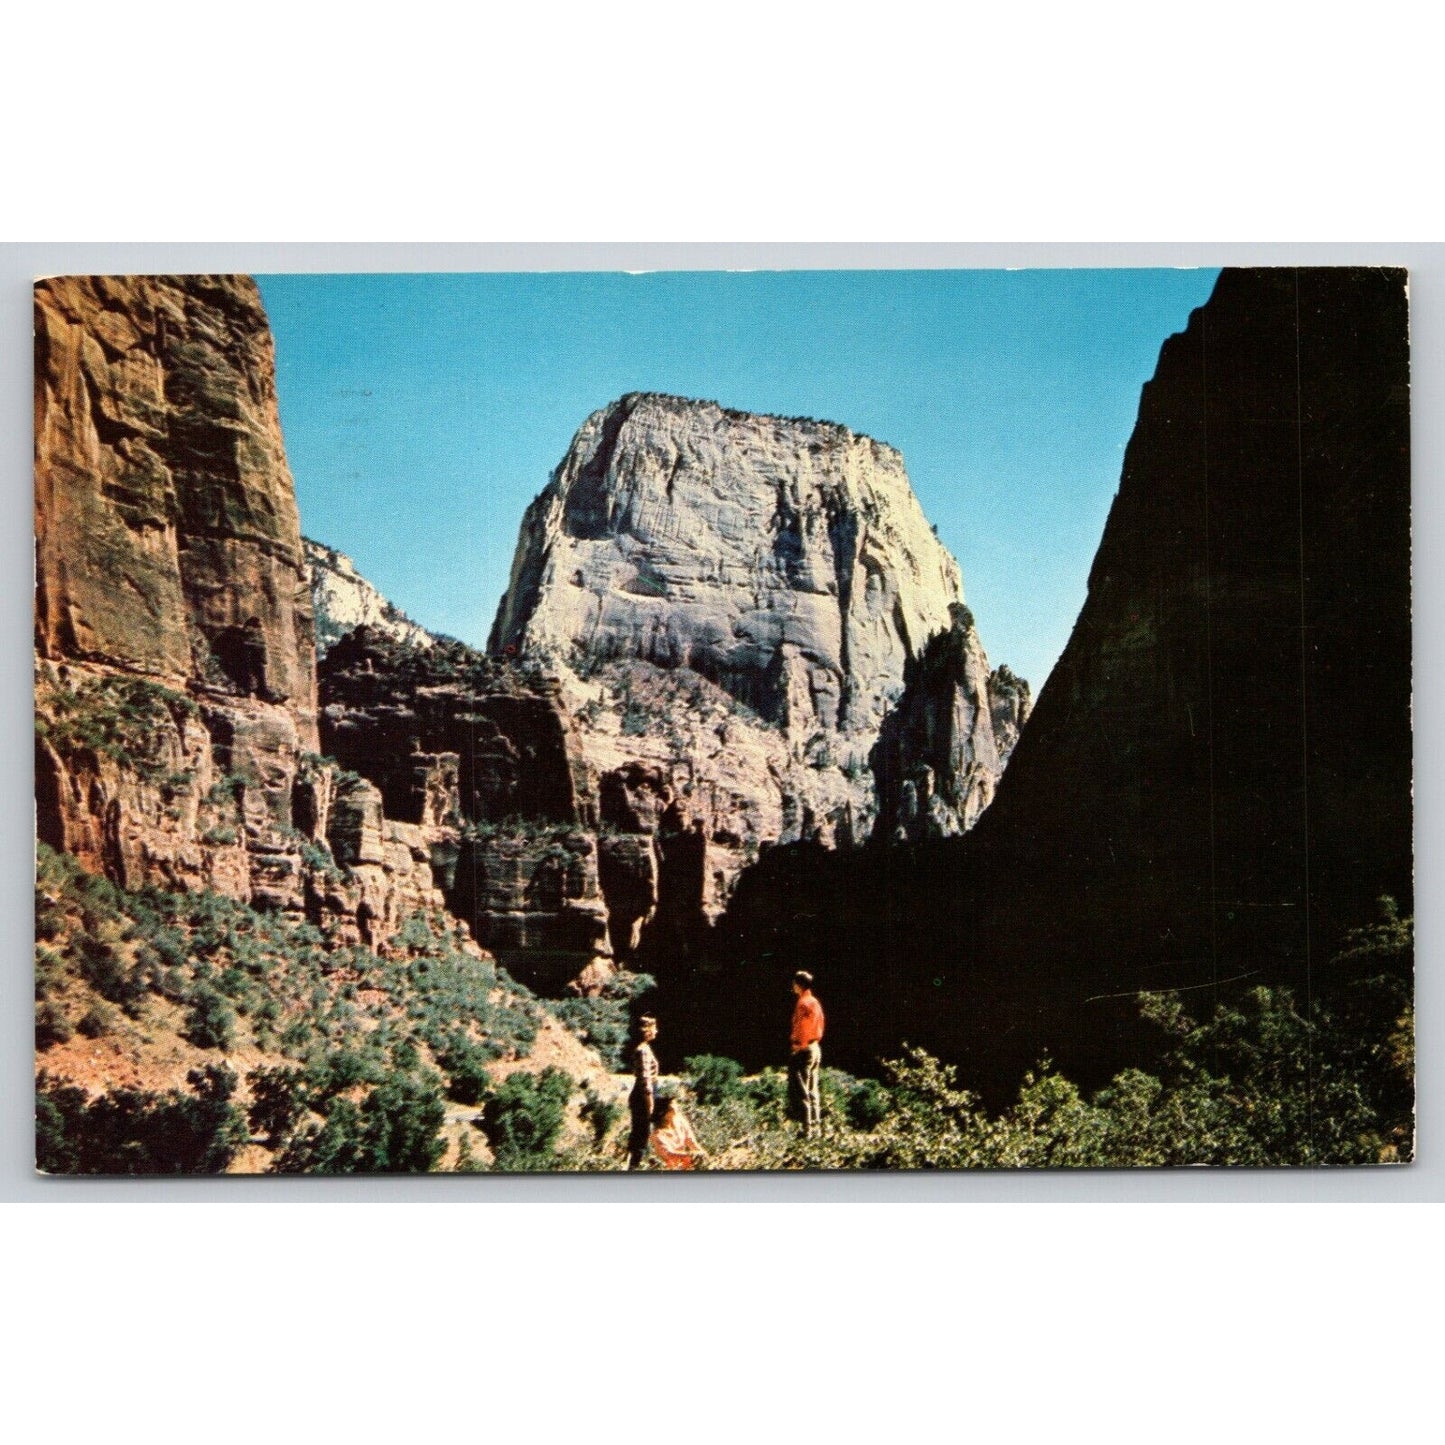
pixel 343 600
pixel 175 649
pixel 1215 783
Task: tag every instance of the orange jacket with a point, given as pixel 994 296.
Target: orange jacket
pixel 807 1021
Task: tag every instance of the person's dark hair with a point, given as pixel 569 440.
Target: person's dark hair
pixel 803 978
pixel 660 1105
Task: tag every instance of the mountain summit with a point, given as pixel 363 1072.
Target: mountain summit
pixel 787 560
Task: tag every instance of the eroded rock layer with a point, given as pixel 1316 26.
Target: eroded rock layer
pixel 944 746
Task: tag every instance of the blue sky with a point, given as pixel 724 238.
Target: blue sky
pixel 423 412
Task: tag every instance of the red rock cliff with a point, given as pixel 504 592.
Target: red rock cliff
pixel 167 537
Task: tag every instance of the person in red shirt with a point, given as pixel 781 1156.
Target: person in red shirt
pixel 805 1102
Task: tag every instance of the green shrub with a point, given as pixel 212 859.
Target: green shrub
pixel 465 1064
pixel 395 1130
pixel 601 1114
pixel 210 1021
pixel 713 1078
pixel 49 971
pixel 604 1022
pixel 51 1025
pixel 402 1119
pixel 132 1131
pixel 767 1092
pixel 523 1116
pixel 96 1021
pixel 103 968
pixel 330 1073
pixel 868 1104
pixel 279 1099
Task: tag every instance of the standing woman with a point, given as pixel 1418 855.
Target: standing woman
pixel 644 1091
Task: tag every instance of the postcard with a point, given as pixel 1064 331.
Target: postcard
pixel 697 721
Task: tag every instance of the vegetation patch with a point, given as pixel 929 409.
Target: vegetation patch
pixel 125 719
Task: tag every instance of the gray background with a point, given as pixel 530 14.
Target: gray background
pixel 20 264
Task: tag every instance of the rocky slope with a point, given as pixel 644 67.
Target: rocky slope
pixel 1216 781
pixel 343 600
pixel 175 648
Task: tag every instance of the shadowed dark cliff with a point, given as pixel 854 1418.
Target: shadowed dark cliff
pixel 1215 782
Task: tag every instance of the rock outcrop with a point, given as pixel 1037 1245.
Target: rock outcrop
pixel 174 634
pixel 1215 782
pixel 944 746
pixel 343 600
pixel 484 762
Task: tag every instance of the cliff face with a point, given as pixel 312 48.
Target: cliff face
pixel 343 600
pixel 485 765
pixel 1198 800
pixel 175 649
pixel 731 602
pixel 944 746
pixel 786 560
pixel 166 524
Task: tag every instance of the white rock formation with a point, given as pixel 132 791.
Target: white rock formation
pixel 786 568
pixel 344 600
pixel 788 560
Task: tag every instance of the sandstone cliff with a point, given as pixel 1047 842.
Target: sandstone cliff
pixel 343 600
pixel 166 529
pixel 732 602
pixel 1198 800
pixel 174 636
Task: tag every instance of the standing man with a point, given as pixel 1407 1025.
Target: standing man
pixel 644 1091
pixel 805 1102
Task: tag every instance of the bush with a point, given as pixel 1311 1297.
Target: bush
pixel 523 1116
pixel 868 1104
pixel 132 1131
pixel 713 1078
pixel 332 1073
pixel 394 1130
pixel 96 1021
pixel 601 1114
pixel 49 971
pixel 402 1119
pixel 465 1064
pixel 604 1022
pixel 51 1026
pixel 767 1092
pixel 107 973
pixel 278 1100
pixel 210 1021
